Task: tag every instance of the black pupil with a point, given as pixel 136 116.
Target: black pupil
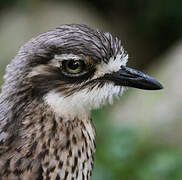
pixel 73 65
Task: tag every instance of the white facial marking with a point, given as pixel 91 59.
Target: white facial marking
pixel 59 58
pixel 113 65
pixel 82 102
pixel 68 56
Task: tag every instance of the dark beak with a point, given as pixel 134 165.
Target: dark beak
pixel 133 78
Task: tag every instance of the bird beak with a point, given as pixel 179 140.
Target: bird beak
pixel 133 78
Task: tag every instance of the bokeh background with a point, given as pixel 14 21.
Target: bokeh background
pixel 140 136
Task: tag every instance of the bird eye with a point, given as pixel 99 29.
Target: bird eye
pixel 73 66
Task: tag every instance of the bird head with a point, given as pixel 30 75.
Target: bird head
pixel 73 69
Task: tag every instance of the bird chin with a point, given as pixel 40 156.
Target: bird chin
pixel 82 102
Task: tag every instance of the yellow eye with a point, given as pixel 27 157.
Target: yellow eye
pixel 74 66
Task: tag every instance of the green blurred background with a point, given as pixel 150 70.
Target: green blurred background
pixel 139 136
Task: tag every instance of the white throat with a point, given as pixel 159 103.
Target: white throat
pixel 81 103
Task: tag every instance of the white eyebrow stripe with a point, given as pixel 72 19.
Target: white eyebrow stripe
pixel 56 61
pixel 63 57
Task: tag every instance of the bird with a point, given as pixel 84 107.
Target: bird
pixel 49 90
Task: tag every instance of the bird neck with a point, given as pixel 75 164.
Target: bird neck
pixel 64 145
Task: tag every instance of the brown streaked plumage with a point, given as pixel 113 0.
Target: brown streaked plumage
pixel 49 89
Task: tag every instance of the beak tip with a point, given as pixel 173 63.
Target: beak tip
pixel 157 85
pixel 153 85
